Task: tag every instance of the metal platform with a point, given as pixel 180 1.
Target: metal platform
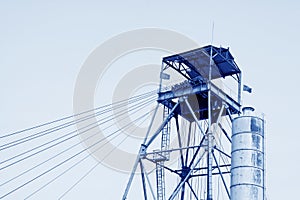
pixel 194 64
pixel 194 67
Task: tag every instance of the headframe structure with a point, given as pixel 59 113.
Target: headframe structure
pixel 194 136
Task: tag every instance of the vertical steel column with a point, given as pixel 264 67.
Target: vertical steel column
pixel 209 151
pixel 209 135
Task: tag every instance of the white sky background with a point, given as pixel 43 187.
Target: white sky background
pixel 43 45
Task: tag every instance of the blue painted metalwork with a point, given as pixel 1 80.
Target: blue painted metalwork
pixel 194 67
pixel 197 97
pixel 194 64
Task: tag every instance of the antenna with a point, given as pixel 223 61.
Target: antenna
pixel 212 32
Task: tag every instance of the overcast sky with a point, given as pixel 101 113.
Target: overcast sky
pixel 44 45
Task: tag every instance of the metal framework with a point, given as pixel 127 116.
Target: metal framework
pixel 192 138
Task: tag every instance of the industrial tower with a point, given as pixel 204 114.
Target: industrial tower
pixel 204 141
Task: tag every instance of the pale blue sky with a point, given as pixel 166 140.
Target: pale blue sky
pixel 44 44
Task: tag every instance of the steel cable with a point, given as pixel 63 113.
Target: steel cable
pixel 70 116
pixel 61 163
pixel 124 111
pixel 57 128
pixel 56 155
pixel 81 160
pixel 13 163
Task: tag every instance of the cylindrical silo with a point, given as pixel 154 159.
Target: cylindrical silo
pixel 247 157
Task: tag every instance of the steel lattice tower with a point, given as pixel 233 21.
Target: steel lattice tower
pixel 195 135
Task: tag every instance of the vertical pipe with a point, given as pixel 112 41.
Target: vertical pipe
pixel 265 157
pixel 209 134
pixel 143 180
pixel 240 88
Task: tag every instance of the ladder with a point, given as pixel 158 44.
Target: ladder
pixel 165 138
pixel 161 157
pixel 160 180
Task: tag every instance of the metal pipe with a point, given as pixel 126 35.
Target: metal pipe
pixel 186 178
pixel 143 180
pixel 162 125
pixel 209 134
pixel 193 114
pixel 149 183
pixel 221 174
